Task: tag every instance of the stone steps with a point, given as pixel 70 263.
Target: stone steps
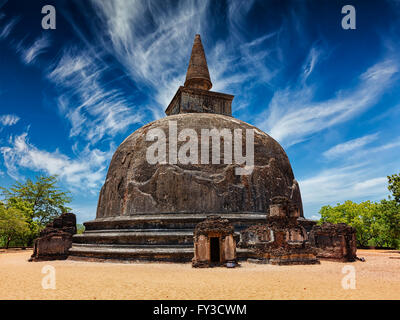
pixel 136 237
pixel 170 221
pixel 88 232
pixel 140 246
pixel 135 254
pixel 149 237
pixel 138 253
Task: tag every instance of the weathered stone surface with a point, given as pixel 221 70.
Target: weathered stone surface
pixel 334 241
pixel 56 239
pixel 139 197
pixel 152 237
pixel 229 247
pixel 134 186
pixel 191 100
pixel 307 224
pixel 197 75
pixel 222 231
pixel 195 96
pixel 282 240
pixel 214 224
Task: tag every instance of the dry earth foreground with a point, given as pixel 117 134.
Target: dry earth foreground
pixel 377 278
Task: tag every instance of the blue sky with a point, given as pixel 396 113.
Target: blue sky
pixel 70 96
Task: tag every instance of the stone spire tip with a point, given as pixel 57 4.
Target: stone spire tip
pixel 197 75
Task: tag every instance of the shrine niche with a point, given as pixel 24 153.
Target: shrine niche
pixel 214 243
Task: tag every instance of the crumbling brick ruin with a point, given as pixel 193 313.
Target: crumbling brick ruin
pixel 282 240
pixel 334 241
pixel 56 239
pixel 214 243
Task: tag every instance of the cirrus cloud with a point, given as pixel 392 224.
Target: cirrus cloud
pixel 86 172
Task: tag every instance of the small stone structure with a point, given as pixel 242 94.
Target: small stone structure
pixel 56 239
pixel 307 224
pixel 214 243
pixel 282 240
pixel 193 100
pixel 334 241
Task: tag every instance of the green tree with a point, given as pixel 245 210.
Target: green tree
pixel 376 223
pixel 80 228
pixel 361 216
pixel 394 186
pixel 388 219
pixel 390 214
pixel 40 201
pixel 13 224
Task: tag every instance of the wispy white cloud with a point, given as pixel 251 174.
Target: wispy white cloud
pixel 93 108
pixel 246 64
pixel 155 55
pixel 86 172
pixel 9 119
pixel 357 149
pixel 32 52
pixel 361 176
pixel 6 30
pixel 343 183
pixel 151 53
pixel 381 150
pixel 350 145
pixel 293 115
pixel 152 43
pixel 311 62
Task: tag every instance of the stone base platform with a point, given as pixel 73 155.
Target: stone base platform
pixel 285 260
pixel 158 237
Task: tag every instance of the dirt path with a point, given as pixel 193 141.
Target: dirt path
pixel 377 278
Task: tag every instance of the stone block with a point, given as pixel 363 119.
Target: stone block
pixel 334 241
pixel 56 239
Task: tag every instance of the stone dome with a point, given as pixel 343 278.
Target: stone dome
pixel 148 209
pixel 134 187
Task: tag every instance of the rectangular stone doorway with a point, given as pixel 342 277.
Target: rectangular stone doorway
pixel 214 250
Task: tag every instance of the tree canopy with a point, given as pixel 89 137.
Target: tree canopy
pixel 13 224
pixel 394 186
pixel 376 223
pixel 39 201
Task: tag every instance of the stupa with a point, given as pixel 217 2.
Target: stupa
pixel 148 211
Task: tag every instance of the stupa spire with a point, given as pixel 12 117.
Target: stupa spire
pixel 195 96
pixel 197 75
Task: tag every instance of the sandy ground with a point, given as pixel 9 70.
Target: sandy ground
pixel 377 278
